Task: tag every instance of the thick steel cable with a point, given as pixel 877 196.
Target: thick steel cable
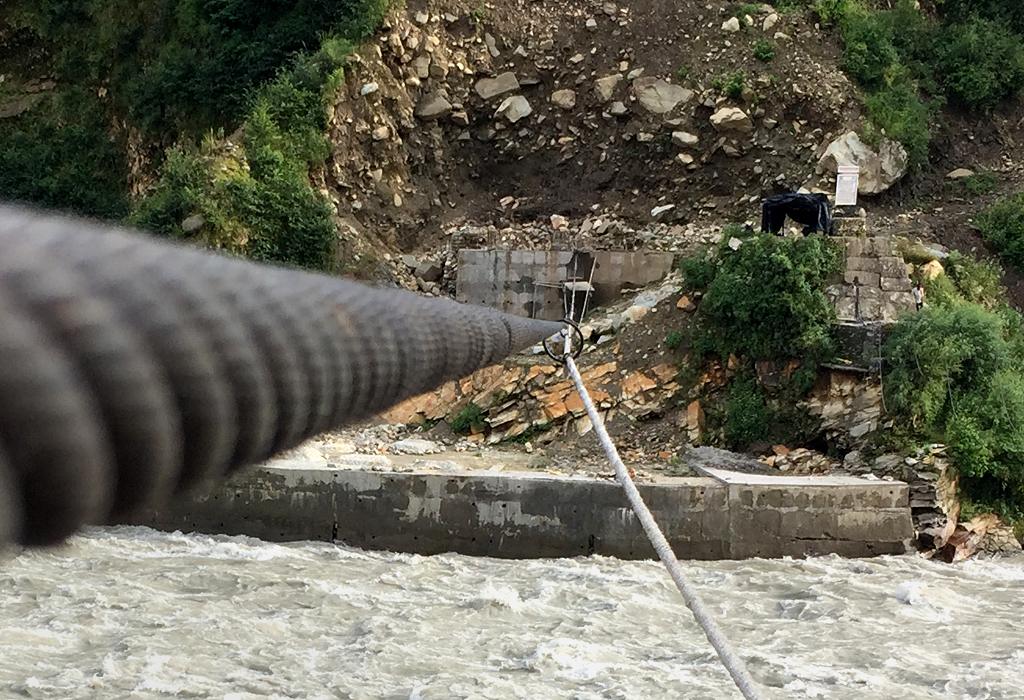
pixel 733 663
pixel 131 368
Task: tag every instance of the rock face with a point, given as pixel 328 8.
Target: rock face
pixel 489 88
pixel 879 170
pixel 658 96
pixel 433 106
pixel 514 108
pixel 566 99
pixel 732 120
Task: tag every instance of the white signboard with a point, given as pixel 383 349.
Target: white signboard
pixel 847 181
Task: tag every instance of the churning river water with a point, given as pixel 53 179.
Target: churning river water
pixel 133 613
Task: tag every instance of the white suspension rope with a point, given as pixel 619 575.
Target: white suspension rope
pixel 732 662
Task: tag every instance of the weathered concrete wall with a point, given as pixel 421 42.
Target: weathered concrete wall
pixel 534 515
pixel 508 279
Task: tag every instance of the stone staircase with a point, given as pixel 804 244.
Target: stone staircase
pixel 876 286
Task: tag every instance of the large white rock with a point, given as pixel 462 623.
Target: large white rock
pixel 732 120
pixel 879 170
pixel 684 138
pixel 731 25
pixel 605 87
pixel 566 99
pixel 514 108
pixel 658 96
pixel 433 106
pixel 488 88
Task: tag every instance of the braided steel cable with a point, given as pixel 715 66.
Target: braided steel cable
pixel 132 369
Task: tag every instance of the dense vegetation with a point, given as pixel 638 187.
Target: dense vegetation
pixel 910 63
pixel 176 72
pixel 763 301
pixel 955 376
pixel 1002 227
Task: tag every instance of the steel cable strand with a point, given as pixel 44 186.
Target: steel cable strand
pixel 732 662
pixel 232 347
pixel 12 511
pixel 118 269
pixel 289 383
pixel 130 389
pixel 51 433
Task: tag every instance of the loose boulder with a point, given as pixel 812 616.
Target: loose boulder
pixel 879 170
pixel 683 138
pixel 433 106
pixel 566 99
pixel 489 88
pixel 658 96
pixel 732 120
pixel 514 108
pixel 605 87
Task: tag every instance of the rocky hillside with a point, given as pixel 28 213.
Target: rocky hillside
pixel 508 112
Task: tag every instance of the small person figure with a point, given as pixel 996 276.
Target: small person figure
pixel 918 292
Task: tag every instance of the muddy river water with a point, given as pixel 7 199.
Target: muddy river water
pixel 130 612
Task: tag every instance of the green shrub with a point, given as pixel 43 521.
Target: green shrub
pixel 869 52
pixel 59 155
pixel 748 418
pixel 190 64
pixel 980 183
pixel 674 340
pixel 259 202
pixel 731 85
pixel 977 281
pixel 980 62
pixel 767 299
pixel 469 418
pixel 1002 227
pixel 898 111
pixel 744 9
pixel 699 270
pixel 955 375
pixel 764 50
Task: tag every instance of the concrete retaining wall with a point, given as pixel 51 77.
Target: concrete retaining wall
pixel 509 279
pixel 535 515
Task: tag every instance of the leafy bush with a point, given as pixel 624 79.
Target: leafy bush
pixel 980 183
pixel 748 418
pixel 673 340
pixel 699 270
pixel 977 281
pixel 470 417
pixel 59 155
pixel 1002 226
pixel 980 62
pixel 955 375
pixel 190 64
pixel 869 51
pixel 764 50
pixel 731 85
pixel 767 300
pixel 898 111
pixel 259 202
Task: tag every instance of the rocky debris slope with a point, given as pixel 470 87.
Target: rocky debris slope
pixel 643 111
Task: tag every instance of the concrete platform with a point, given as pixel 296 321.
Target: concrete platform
pixel 529 515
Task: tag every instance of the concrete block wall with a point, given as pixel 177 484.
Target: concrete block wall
pixel 530 515
pixel 525 282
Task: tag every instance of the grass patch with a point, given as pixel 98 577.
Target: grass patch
pixel 764 51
